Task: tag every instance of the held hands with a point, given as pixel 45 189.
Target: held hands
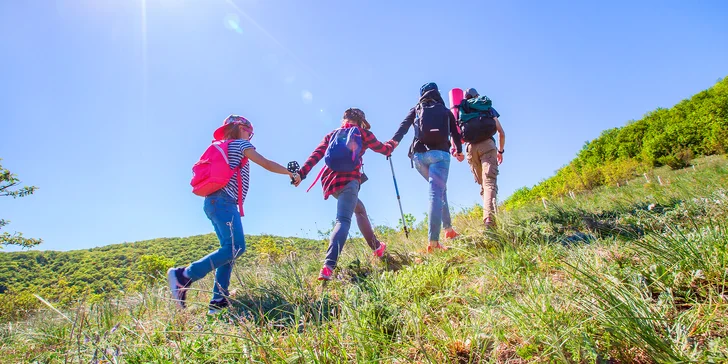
pixel 295 178
pixel 293 169
pixel 459 156
pixel 393 144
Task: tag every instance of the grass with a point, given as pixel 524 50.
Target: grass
pixel 619 275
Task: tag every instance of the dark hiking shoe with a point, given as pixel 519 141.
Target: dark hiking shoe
pixel 218 305
pixel 178 285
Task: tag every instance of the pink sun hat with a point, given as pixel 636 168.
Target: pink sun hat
pixel 219 133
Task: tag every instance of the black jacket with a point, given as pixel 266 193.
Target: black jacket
pixel 418 147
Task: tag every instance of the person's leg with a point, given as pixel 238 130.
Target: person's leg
pixel 476 166
pixel 365 226
pixel 345 204
pixel 489 168
pixel 446 218
pixel 438 171
pixel 223 272
pixel 422 165
pixel 225 218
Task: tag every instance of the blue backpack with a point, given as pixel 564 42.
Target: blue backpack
pixel 345 150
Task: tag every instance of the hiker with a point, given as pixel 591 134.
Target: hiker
pixel 341 177
pixel 434 126
pixel 222 205
pixel 479 122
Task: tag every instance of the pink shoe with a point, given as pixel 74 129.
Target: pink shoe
pixel 380 251
pixel 451 234
pixel 325 274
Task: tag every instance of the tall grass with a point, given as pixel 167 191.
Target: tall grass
pixel 618 275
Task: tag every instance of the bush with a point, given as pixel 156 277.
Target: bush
pixel 17 305
pixel 153 266
pixel 695 126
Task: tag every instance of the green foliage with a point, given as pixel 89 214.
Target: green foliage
pixel 677 160
pixel 697 126
pixel 630 274
pixel 153 266
pixel 9 188
pixel 109 271
pixel 409 221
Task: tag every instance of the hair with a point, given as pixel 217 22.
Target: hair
pixel 351 116
pixel 357 122
pixel 233 131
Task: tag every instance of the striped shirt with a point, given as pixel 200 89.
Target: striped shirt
pixel 235 156
pixel 334 181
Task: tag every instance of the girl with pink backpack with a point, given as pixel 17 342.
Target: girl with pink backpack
pixel 222 176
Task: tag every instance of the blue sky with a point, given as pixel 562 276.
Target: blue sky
pixel 106 105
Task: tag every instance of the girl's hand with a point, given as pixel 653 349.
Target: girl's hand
pixel 460 157
pixel 296 178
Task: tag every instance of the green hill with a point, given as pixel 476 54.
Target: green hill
pixel 629 274
pixel 697 126
pixel 100 273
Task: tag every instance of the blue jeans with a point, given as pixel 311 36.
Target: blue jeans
pixel 346 200
pixel 222 210
pixel 434 166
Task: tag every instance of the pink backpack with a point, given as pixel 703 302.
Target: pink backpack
pixel 212 172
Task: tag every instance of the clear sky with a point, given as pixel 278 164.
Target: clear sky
pixel 105 105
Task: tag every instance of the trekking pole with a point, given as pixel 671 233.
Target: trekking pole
pixel 404 223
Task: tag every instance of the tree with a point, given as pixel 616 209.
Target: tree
pixel 9 188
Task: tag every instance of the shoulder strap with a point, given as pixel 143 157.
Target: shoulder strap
pixel 240 185
pixel 224 152
pixel 317 178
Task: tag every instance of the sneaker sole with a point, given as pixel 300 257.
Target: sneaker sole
pixel 173 287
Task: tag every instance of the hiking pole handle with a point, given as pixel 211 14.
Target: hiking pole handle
pixel 293 167
pixel 399 201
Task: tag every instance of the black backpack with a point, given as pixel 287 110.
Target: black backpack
pixel 477 123
pixel 432 123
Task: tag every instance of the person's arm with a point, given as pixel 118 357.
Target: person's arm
pixel 404 126
pixel 269 165
pixel 501 140
pixel 315 157
pixel 457 138
pixel 370 141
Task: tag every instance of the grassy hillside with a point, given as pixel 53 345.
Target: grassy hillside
pixel 615 275
pixel 101 273
pixel 697 126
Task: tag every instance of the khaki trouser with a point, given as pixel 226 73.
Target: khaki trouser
pixel 483 160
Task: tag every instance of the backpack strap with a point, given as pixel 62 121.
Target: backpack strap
pixel 317 178
pixel 240 185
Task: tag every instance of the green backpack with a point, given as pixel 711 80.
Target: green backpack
pixel 474 107
pixel 476 119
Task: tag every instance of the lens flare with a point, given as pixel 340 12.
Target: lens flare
pixel 232 22
pixel 307 96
